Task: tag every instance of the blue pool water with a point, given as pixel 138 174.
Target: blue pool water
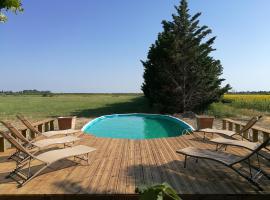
pixel 136 126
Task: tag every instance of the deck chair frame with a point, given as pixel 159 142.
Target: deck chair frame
pixel 19 156
pixel 220 146
pixel 30 126
pixel 245 128
pixel 26 177
pixel 246 159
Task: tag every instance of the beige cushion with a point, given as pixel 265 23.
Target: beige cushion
pixel 54 155
pixel 218 131
pixel 62 140
pixel 60 132
pixel 240 143
pixel 225 158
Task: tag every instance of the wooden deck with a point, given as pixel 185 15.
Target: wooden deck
pixel 119 165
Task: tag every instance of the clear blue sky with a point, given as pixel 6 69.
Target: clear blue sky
pixel 97 45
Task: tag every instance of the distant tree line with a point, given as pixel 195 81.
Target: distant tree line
pixel 27 92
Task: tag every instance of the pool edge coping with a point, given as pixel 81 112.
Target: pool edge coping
pixel 103 116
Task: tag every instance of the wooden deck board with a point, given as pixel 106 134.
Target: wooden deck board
pixel 118 166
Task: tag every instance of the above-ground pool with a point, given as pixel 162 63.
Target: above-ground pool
pixel 136 126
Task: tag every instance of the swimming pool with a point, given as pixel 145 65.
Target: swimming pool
pixel 136 126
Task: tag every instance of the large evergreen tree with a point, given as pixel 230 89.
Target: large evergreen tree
pixel 180 73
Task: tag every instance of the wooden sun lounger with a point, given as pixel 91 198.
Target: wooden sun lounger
pixel 239 143
pixel 229 133
pixel 229 160
pixel 40 144
pixel 224 143
pixel 46 159
pixel 48 133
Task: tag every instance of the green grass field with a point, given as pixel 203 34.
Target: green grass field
pixel 82 105
pixel 93 105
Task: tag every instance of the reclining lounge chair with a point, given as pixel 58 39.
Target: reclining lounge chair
pixel 229 133
pixel 40 144
pixel 47 158
pixel 229 160
pixel 46 134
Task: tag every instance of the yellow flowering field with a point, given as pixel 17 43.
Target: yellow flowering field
pixel 260 102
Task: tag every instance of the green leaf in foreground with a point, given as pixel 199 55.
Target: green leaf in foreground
pixel 157 192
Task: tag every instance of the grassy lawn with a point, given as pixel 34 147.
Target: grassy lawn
pixel 93 105
pixel 82 105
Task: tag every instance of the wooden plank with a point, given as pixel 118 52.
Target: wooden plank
pixel 146 168
pixel 156 174
pixel 131 181
pixel 112 184
pixel 106 173
pixel 2 144
pixel 255 135
pixel 47 126
pixel 230 126
pixel 40 128
pixel 102 150
pixel 190 172
pixel 110 169
pixel 119 165
pixel 265 136
pixel 224 124
pixel 237 128
pixel 138 168
pixel 166 166
pixel 51 125
pixel 121 184
pixel 174 167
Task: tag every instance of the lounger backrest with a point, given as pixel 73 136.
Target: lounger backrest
pixel 250 123
pixel 28 124
pixel 14 131
pixel 261 146
pixel 14 142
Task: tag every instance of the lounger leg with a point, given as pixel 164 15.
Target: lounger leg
pixel 247 178
pixel 29 167
pixel 264 157
pixel 258 160
pixel 33 176
pixel 203 135
pixel 14 154
pixel 185 163
pixel 249 168
pixel 19 165
pixel 261 171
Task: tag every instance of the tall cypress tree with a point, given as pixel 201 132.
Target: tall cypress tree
pixel 180 73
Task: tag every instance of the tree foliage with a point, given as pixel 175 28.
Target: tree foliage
pixel 180 73
pixel 12 5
